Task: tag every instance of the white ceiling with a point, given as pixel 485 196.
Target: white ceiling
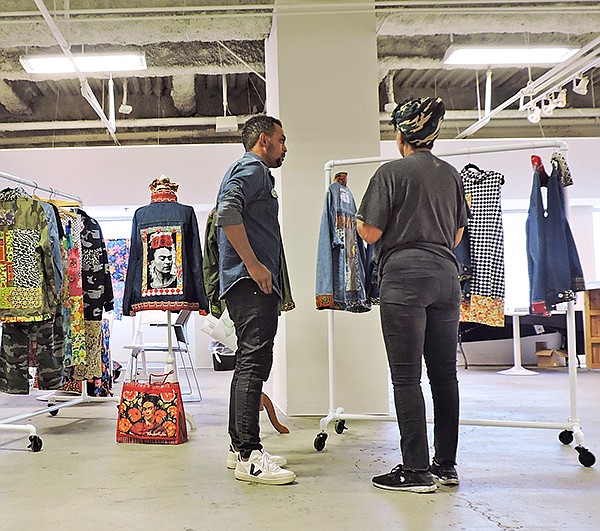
pixel 190 44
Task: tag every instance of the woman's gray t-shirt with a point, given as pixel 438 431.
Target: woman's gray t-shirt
pixel 418 202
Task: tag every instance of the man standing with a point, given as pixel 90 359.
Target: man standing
pixel 249 264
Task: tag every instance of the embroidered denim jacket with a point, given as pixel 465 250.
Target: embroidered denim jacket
pixel 171 229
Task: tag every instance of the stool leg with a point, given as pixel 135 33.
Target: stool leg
pixel 265 402
pixel 142 354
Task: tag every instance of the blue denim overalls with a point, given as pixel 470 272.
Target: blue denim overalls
pixel 555 272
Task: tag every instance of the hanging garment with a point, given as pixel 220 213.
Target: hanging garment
pixel 341 255
pixel 27 280
pixel 72 290
pixel 465 270
pixel 164 271
pixel 483 277
pixel 29 344
pixel 56 234
pixel 97 295
pixel 118 255
pixel 96 280
pixel 555 272
pixel 103 386
pixel 210 268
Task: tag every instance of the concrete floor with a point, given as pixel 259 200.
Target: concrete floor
pixel 511 478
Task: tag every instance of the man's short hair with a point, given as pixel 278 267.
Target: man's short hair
pixel 256 125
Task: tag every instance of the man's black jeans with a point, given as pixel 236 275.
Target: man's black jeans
pixel 255 315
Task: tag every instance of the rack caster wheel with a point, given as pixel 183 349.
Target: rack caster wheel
pixel 586 458
pixel 54 412
pixel 340 426
pixel 35 443
pixel 565 437
pixel 320 440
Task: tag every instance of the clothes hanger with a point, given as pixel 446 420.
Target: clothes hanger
pixel 341 177
pixel 472 166
pixel 538 165
pixel 63 204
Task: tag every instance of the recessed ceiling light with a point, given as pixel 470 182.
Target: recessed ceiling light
pixel 508 55
pixel 87 62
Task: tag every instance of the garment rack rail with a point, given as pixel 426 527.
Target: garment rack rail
pixel 571 430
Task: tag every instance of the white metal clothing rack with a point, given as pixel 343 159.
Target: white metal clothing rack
pixel 35 442
pixel 36 187
pixel 571 428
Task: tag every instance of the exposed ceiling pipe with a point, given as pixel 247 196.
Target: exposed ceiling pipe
pixel 111 103
pixel 488 92
pixel 130 124
pixel 260 76
pixel 139 123
pixel 124 108
pixel 414 6
pixel 86 90
pixel 391 97
pixel 225 102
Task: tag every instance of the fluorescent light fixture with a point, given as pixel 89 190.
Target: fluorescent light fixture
pixel 87 62
pixel 508 55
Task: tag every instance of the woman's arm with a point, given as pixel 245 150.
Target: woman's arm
pixel 459 236
pixel 369 233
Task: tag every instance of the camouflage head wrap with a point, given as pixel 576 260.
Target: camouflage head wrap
pixel 419 120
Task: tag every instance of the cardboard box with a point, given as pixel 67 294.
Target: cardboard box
pixel 551 358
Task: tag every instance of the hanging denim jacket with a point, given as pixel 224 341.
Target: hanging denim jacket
pixel 165 261
pixel 341 255
pixel 555 272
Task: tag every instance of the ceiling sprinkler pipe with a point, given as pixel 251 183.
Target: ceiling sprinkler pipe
pixel 124 108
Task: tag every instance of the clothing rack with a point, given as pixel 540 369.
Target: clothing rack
pixel 571 429
pixel 36 186
pixel 8 424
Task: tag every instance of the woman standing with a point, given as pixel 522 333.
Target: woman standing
pixel 414 210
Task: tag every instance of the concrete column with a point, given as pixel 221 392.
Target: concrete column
pixel 322 82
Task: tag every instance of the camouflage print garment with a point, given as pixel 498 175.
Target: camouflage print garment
pixel 16 356
pixel 27 284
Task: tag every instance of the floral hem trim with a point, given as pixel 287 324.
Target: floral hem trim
pixel 326 302
pixel 26 319
pixel 173 306
pixel 483 310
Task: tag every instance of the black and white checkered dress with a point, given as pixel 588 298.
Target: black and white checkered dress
pixel 486 302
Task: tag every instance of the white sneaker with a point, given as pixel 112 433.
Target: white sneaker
pixel 232 459
pixel 261 469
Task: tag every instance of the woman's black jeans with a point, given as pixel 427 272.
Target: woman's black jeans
pixel 420 309
pixel 255 315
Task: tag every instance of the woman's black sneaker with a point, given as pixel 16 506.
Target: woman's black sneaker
pixel 445 474
pixel 399 479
